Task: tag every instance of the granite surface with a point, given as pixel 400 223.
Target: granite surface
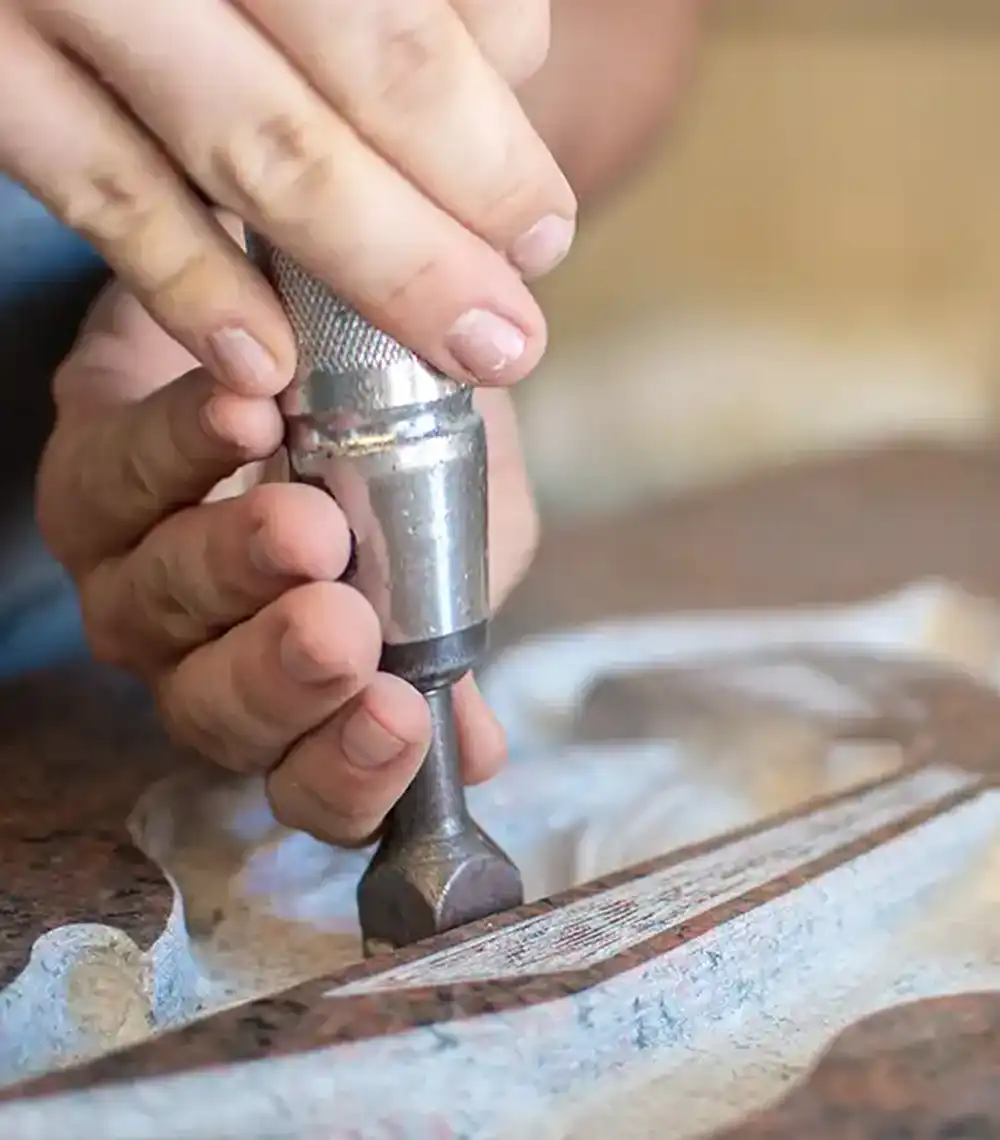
pixel 79 747
pixel 314 1015
pixel 925 1071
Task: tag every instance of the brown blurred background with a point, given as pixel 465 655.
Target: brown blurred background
pixel 811 261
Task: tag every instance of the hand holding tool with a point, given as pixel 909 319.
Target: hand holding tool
pixel 402 449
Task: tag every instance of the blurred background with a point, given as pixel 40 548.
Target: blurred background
pixel 812 261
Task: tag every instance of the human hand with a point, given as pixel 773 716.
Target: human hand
pixel 380 144
pixel 219 589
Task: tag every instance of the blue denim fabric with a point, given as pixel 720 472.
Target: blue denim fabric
pixel 48 278
pixel 44 630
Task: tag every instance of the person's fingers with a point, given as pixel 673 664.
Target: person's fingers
pixel 514 35
pixel 106 480
pixel 121 353
pixel 410 77
pixel 244 699
pixel 481 738
pixel 64 138
pixel 339 782
pixel 207 568
pixel 259 140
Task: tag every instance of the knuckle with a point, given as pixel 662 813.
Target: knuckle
pixel 133 617
pixel 158 599
pixel 275 167
pixel 409 50
pixel 185 275
pixel 137 481
pixel 107 205
pixel 64 493
pixel 137 220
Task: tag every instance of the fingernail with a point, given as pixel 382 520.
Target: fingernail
pixel 367 743
pixel 243 361
pixel 544 246
pixel 299 663
pixel 485 344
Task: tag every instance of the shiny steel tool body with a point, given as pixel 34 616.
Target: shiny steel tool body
pixel 402 449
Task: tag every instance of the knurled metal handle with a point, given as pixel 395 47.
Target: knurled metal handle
pixel 329 333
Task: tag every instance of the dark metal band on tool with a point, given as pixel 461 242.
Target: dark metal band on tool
pixel 402 449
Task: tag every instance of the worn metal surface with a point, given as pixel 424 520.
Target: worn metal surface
pixel 402 449
pixel 435 868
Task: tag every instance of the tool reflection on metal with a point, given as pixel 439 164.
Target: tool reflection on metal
pixel 403 451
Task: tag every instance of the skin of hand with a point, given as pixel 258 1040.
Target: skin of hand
pixel 196 570
pixel 379 143
pixel 220 590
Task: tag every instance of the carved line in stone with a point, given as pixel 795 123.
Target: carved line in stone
pixel 598 927
pixel 725 1006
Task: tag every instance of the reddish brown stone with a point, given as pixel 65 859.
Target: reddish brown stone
pixel 925 1071
pixel 78 748
pixel 832 531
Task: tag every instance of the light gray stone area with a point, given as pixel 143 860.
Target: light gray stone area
pixel 701 1036
pixel 259 908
